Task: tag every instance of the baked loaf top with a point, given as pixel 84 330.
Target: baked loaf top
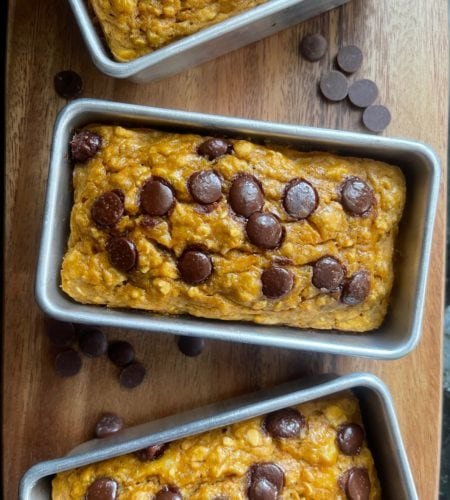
pixel 229 229
pixel 314 451
pixel 134 28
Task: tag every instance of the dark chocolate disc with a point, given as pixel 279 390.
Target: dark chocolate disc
pixel 300 199
pixel 356 196
pixel 356 289
pixel 376 117
pixel 132 375
pixel 264 230
pixel 328 274
pixel 246 196
pixel 213 148
pixel 122 254
pixel 157 197
pixel 285 423
pixel 363 93
pixel 68 363
pixel 194 266
pixel 313 47
pixel 107 209
pixel 68 84
pixel 93 342
pixel 334 86
pixel 191 346
pixel 276 282
pixel 205 187
pixel 151 452
pixel 349 58
pixel 121 352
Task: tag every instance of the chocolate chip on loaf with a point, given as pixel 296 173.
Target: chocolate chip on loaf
pixel 276 282
pixel 246 195
pixel 356 289
pixel 328 274
pixel 214 148
pixel 264 230
pixel 107 209
pixel 152 452
pixel 169 493
pixel 285 423
pixel 157 197
pixel 300 199
pixel 122 254
pixel 350 438
pixel 205 187
pixel 84 145
pixel 355 482
pixel 266 481
pixel 357 196
pixel 195 266
pixel 108 424
pixel 103 488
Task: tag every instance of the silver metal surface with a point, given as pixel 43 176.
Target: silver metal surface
pixel 378 412
pixel 242 29
pixel 400 331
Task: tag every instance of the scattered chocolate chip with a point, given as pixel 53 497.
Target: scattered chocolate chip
pixel 313 47
pixel 205 187
pixel 68 363
pixel 350 438
pixel 121 352
pixel 276 282
pixel 300 199
pixel 68 84
pixel 132 375
pixel 264 230
pixel 157 197
pixel 152 452
pixel 109 424
pixel 376 118
pixel 84 145
pixel 328 274
pixel 285 423
pixel 213 148
pixel 93 342
pixel 60 334
pixel 191 346
pixel 107 209
pixel 349 58
pixel 356 196
pixel 122 254
pixel 103 488
pixel 363 93
pixel 334 86
pixel 169 493
pixel 195 266
pixel 358 484
pixel 246 195
pixel 356 289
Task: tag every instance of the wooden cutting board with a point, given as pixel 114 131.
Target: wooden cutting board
pixel 406 53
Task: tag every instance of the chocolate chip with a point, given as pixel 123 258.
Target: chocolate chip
pixel 103 488
pixel 246 196
pixel 148 221
pixel 68 84
pixel 356 196
pixel 206 209
pixel 358 484
pixel 68 363
pixel 109 424
pixel 270 472
pixel 157 197
pixel 194 266
pixel 205 186
pixel 132 375
pixel 376 118
pixel 107 209
pixel 328 274
pixel 285 423
pixel 121 352
pixel 93 343
pixel 264 230
pixel 213 148
pixel 313 47
pixel 84 145
pixel 334 86
pixel 169 493
pixel 262 490
pixel 300 199
pixel 191 346
pixel 363 93
pixel 122 254
pixel 151 452
pixel 350 439
pixel 349 58
pixel 60 334
pixel 276 282
pixel 356 288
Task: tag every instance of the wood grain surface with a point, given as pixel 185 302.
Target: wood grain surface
pixel 406 53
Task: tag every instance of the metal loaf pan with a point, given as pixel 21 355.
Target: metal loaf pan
pixel 401 329
pixel 242 29
pixel 378 412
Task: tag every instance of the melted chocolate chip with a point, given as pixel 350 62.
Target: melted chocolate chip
pixel 358 484
pixel 151 452
pixel 213 148
pixel 169 493
pixel 328 274
pixel 350 439
pixel 121 352
pixel 205 187
pixel 68 84
pixel 122 254
pixel 266 481
pixel 68 363
pixel 357 196
pixel 195 266
pixel 276 282
pixel 262 489
pixel 149 222
pixel 356 289
pixel 109 424
pixel 285 423
pixel 107 209
pixel 157 197
pixel 300 199
pixel 132 375
pixel 84 145
pixel 103 488
pixel 246 196
pixel 93 342
pixel 264 230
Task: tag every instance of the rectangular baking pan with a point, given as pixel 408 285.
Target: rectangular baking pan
pixel 401 329
pixel 377 408
pixel 242 29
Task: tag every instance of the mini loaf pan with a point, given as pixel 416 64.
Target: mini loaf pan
pixel 242 29
pixel 401 329
pixel 377 408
